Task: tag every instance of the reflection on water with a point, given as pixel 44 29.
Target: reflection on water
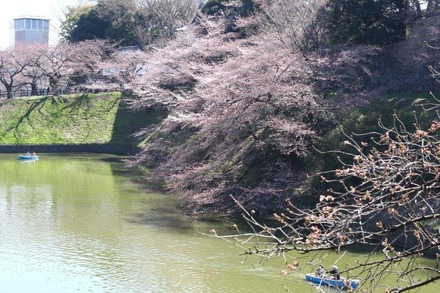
pixel 77 223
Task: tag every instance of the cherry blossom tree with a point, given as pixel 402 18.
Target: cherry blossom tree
pixel 124 66
pixel 162 18
pixel 87 60
pixel 386 197
pixel 53 64
pixel 239 112
pixel 12 64
pixel 71 65
pixel 298 25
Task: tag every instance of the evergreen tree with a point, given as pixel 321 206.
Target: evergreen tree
pixel 83 23
pixel 377 22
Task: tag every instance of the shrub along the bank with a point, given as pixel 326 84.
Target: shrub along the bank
pixel 360 122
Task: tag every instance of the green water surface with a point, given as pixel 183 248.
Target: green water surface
pixel 79 223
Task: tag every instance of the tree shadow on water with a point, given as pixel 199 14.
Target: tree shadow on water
pixel 170 218
pixel 156 208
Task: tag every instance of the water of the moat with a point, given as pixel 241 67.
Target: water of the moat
pixel 79 223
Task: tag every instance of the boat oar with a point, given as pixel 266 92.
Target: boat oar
pixel 320 282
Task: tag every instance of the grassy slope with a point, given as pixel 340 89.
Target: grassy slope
pixel 79 119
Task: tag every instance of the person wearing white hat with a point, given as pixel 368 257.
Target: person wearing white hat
pixel 335 273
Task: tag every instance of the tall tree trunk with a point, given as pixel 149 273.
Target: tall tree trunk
pixel 34 88
pixel 8 88
pixel 402 20
pixel 9 94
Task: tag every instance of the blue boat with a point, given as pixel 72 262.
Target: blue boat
pixel 328 281
pixel 27 157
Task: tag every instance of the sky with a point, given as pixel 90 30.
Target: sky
pixel 51 9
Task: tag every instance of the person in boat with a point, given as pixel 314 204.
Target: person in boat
pixel 28 153
pixel 319 271
pixel 34 154
pixel 334 272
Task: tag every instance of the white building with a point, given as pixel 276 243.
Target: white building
pixel 31 30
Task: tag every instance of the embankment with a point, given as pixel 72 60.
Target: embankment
pixel 100 123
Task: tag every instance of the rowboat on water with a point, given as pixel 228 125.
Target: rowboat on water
pixel 328 281
pixel 27 157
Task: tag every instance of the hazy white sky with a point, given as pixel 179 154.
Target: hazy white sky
pixel 51 9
